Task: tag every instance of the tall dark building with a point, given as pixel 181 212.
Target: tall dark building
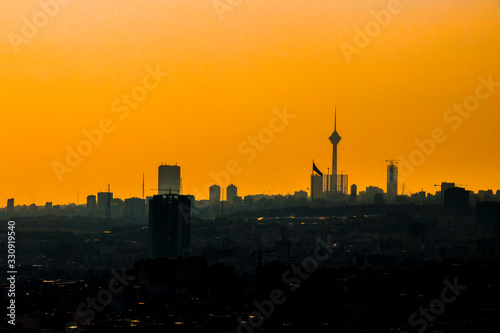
pixel 354 194
pixel 169 225
pixel 134 208
pixel 231 193
pixel 169 179
pixel 456 200
pixel 10 207
pixel 392 181
pixel 91 205
pixel 103 199
pixel 214 194
pixel 444 187
pixel 342 183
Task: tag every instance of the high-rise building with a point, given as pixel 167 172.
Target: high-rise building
pixel 214 194
pixel 370 193
pixel 134 208
pixel 354 190
pixel 392 181
pixel 91 205
pixel 354 194
pixel 342 183
pixel 334 139
pixel 169 225
pixel 116 208
pixel 444 187
pixel 231 193
pixel 169 179
pixel 102 202
pixel 316 187
pixel 457 200
pixel 10 207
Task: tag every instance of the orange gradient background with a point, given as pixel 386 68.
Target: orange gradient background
pixel 227 76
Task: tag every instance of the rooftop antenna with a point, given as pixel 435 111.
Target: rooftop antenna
pixel 143 184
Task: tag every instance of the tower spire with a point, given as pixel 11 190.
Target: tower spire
pixel 334 139
pixel 335 125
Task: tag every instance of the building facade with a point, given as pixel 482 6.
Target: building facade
pixel 169 225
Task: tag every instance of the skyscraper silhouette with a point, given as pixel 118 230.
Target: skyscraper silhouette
pixel 91 205
pixel 392 181
pixel 231 193
pixel 102 202
pixel 354 194
pixel 456 200
pixel 169 225
pixel 169 179
pixel 214 194
pixel 10 207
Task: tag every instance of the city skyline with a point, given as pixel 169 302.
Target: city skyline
pixel 215 177
pixel 389 99
pixel 136 193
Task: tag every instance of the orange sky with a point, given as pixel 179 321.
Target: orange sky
pixel 225 79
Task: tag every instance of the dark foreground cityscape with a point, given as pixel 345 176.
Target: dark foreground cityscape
pixel 331 260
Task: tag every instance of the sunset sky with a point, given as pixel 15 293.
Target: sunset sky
pixel 226 76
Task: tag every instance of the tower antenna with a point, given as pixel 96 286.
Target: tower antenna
pixel 143 185
pixel 335 123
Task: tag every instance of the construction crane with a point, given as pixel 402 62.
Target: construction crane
pixel 442 192
pixel 455 185
pixel 260 252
